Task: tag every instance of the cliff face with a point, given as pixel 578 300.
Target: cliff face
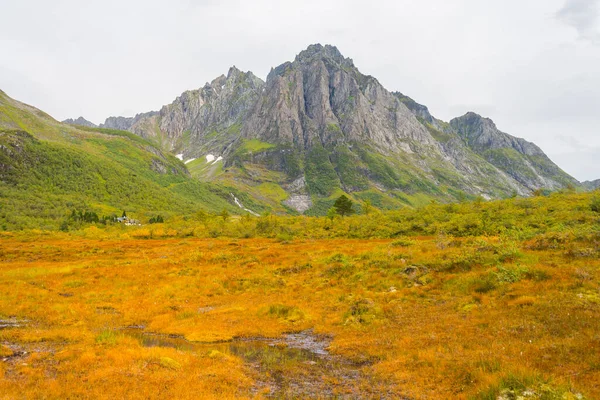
pixel 126 123
pixel 80 121
pixel 319 126
pixel 199 121
pixel 322 98
pixel 481 134
pixel 522 160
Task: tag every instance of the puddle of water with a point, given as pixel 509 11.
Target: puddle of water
pixel 295 365
pixel 307 341
pixel 298 346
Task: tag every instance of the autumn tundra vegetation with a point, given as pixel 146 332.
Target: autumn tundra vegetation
pixel 474 300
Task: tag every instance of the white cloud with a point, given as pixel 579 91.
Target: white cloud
pixel 583 15
pixel 519 62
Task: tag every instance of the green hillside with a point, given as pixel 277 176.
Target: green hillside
pixel 49 169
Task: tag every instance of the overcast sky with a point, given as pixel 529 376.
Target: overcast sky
pixel 533 66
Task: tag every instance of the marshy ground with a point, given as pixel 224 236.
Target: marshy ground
pixel 421 317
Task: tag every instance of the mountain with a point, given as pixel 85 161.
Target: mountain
pixel 523 161
pixel 49 169
pixel 591 185
pixel 126 123
pixel 80 121
pixel 199 121
pixel 318 127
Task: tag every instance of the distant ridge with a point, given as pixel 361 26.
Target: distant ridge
pixel 318 127
pixel 80 121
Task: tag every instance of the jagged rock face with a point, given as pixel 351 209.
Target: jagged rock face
pixel 126 123
pixel 80 121
pixel 522 160
pixel 318 125
pixel 198 121
pixel 481 134
pixel 322 98
pixel 419 110
pixel 463 159
pixel 121 123
pixel 216 108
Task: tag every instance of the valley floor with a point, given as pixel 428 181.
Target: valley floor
pixel 428 317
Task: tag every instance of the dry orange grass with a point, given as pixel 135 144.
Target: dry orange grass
pixel 423 318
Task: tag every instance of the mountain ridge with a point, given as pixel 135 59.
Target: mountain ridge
pixel 80 121
pixel 592 185
pixel 318 126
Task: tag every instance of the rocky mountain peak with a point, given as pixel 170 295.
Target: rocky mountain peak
pixel 319 124
pixel 234 72
pixel 126 123
pixel 419 110
pixel 482 134
pixel 189 125
pixel 313 56
pixel 318 51
pixel 474 121
pixel 80 121
pixel 321 98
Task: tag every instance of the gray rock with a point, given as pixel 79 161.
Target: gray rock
pixel 591 185
pixel 80 121
pixel 126 123
pixel 201 121
pixel 481 134
pixel 299 202
pixel 322 99
pixel 525 162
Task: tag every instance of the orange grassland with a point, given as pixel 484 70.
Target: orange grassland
pixel 428 317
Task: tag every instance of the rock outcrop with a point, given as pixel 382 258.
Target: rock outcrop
pixel 126 123
pixel 525 162
pixel 80 121
pixel 201 121
pixel 321 98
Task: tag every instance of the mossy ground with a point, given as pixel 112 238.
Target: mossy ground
pixel 462 301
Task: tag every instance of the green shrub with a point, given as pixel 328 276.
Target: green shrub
pixel 485 284
pixel 403 242
pixel 595 204
pixel 288 313
pixel 510 275
pixel 362 311
pixel 107 337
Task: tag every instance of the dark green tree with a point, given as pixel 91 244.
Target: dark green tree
pixel 64 226
pixel 156 220
pixel 343 206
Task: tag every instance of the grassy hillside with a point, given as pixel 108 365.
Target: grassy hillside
pixel 389 182
pixel 48 169
pixel 556 217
